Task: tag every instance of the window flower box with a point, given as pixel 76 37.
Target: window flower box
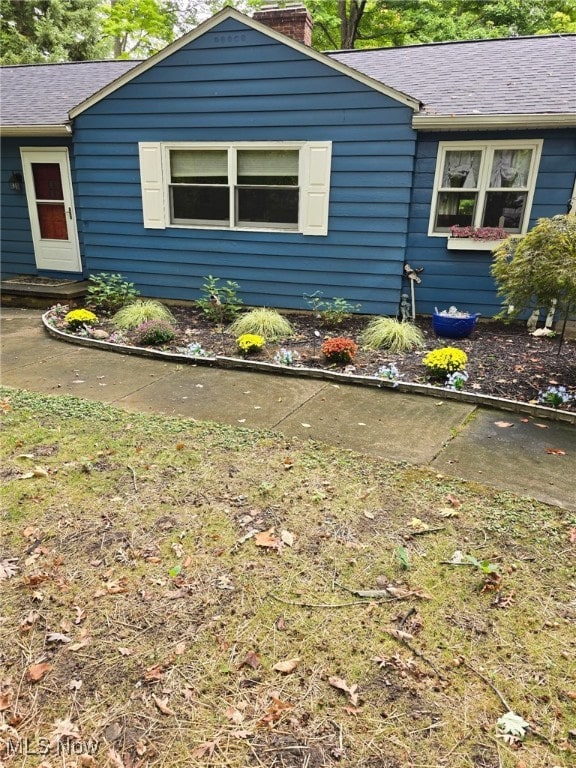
pixel 475 238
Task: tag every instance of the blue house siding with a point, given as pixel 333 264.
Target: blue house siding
pixel 236 84
pixel 17 247
pixel 462 278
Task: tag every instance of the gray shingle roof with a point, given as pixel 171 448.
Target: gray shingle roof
pixel 517 75
pixel 512 76
pixel 43 94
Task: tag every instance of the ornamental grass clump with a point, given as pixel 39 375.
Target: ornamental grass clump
pixel 133 315
pixel 441 363
pixel 155 332
pixel 80 318
pixel 250 343
pixel 389 333
pixel 262 322
pixel 339 350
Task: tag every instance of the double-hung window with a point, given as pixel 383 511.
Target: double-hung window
pixel 244 185
pixel 487 184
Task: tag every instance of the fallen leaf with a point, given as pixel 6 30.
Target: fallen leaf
pixel 448 512
pixel 125 651
pixel 37 671
pixel 287 538
pixel 342 685
pixel 400 635
pixel 274 712
pixel 542 426
pixel 419 525
pixel 6 699
pixel 267 539
pixel 57 637
pixel 556 451
pixel 572 535
pixel 504 424
pixel 234 714
pixel 162 705
pixel 453 500
pixel 250 660
pixel 64 729
pixel 205 749
pixel 369 515
pixel 307 426
pixel 286 666
pixel 8 567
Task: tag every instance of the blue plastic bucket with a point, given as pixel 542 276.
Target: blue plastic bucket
pixel 454 327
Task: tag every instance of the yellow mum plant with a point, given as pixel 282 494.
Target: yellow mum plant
pixel 442 362
pixel 79 317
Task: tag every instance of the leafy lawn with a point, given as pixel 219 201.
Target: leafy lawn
pixel 178 593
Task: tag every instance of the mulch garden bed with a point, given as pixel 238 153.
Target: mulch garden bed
pixel 504 360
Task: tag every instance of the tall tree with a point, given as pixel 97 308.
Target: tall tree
pixel 50 30
pixel 139 28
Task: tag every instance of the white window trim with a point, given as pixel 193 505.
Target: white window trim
pixel 313 183
pixel 487 148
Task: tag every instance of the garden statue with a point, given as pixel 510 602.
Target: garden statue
pixel 404 308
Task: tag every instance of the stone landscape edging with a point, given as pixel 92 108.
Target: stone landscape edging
pixel 222 361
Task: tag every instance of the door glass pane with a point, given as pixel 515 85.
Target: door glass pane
pixel 47 181
pixel 52 219
pixel 200 204
pixel 268 206
pixel 504 209
pixel 510 168
pixel 455 208
pixel 461 169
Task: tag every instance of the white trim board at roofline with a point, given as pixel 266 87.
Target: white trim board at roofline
pixel 423 122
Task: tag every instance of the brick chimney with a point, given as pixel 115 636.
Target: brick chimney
pixel 290 18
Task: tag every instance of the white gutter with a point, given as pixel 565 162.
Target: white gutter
pixel 482 122
pixel 36 130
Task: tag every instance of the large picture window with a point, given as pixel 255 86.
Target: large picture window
pixel 245 185
pixel 484 185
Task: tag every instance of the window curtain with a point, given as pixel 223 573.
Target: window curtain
pixel 510 168
pixel 461 169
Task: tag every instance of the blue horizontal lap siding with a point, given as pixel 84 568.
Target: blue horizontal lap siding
pixel 251 88
pixel 463 278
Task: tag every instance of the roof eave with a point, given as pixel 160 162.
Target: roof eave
pixel 503 121
pixel 232 13
pixel 63 129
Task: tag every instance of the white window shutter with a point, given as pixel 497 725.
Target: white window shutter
pixel 152 185
pixel 315 160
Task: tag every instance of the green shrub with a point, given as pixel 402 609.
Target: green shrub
pixel 445 361
pixel 331 312
pixel 133 315
pixel 263 322
pixel 249 343
pixel 220 303
pixel 109 292
pixel 389 333
pixel 155 332
pixel 80 317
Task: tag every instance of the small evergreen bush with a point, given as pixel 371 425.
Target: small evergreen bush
pixel 133 315
pixel 155 332
pixel 108 292
pixel 389 333
pixel 220 303
pixel 262 322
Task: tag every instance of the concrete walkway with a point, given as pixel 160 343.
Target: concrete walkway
pixel 453 438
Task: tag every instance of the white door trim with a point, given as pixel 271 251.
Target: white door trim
pixel 54 255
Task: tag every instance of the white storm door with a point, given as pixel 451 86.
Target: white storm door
pixel 51 206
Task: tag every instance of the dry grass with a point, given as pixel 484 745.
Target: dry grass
pixel 135 546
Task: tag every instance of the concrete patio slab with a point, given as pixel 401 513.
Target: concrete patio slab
pixel 531 457
pixel 378 422
pixel 239 398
